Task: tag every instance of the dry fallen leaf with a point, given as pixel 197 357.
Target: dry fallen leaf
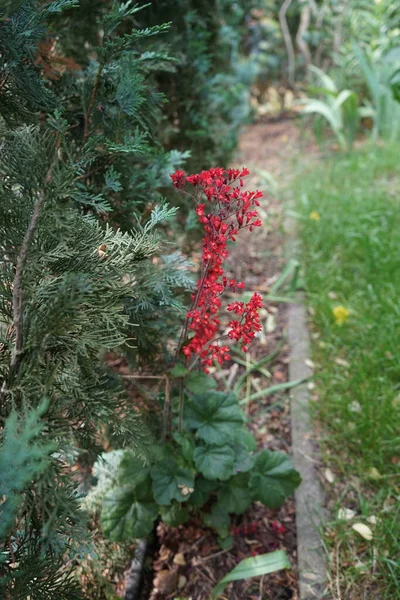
pixel 166 581
pixel 270 324
pixel 373 473
pixel 341 362
pixel 329 476
pixel 355 407
pixel 345 514
pixel 182 582
pixel 363 530
pixel 179 559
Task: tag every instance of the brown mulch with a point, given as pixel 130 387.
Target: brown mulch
pixel 189 561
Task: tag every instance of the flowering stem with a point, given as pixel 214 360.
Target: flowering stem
pixel 192 307
pixel 196 357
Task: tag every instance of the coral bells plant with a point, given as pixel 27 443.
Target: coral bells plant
pixel 223 209
pixel 206 463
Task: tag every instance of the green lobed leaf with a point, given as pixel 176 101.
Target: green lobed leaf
pixel 174 515
pixel 273 478
pixel 132 470
pixel 214 462
pixel 244 460
pixel 218 519
pixel 216 416
pixel 123 517
pixel 171 482
pixel 187 444
pixel 226 542
pixel 198 382
pixel 202 490
pixel 234 495
pixel 178 370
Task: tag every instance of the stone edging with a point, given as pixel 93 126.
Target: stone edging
pixel 136 571
pixel 311 555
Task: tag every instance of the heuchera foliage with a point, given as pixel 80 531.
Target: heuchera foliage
pixel 223 209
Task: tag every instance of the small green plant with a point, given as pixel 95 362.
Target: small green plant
pixel 211 468
pixel 381 76
pixel 207 461
pixel 339 108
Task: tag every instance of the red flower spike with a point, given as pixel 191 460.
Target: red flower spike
pixel 227 209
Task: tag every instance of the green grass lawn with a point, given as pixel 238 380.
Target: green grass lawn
pixel 349 215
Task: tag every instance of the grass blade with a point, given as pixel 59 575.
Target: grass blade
pixel 279 387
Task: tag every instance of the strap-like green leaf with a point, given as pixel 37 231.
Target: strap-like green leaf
pixel 253 567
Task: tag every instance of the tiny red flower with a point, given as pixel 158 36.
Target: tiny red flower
pixel 278 527
pixel 223 209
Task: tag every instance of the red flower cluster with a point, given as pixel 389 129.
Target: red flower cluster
pixel 246 529
pixel 223 208
pixel 249 323
pixel 278 527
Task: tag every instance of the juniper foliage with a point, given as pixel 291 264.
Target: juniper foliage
pixel 72 285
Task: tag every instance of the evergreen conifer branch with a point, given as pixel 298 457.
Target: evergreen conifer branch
pixel 18 292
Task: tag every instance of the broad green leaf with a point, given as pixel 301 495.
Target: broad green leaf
pixel 218 519
pixel 178 371
pixel 198 382
pixel 203 488
pixel 253 567
pixel 132 470
pixel 187 444
pixel 244 460
pixel 214 462
pixel 175 514
pixel 247 439
pixel 216 416
pixel 123 518
pixel 234 495
pixel 171 482
pixel 273 478
pixel 346 96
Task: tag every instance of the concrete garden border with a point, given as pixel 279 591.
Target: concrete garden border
pixel 135 577
pixel 310 512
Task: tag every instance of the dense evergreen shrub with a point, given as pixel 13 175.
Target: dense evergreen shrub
pixel 72 285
